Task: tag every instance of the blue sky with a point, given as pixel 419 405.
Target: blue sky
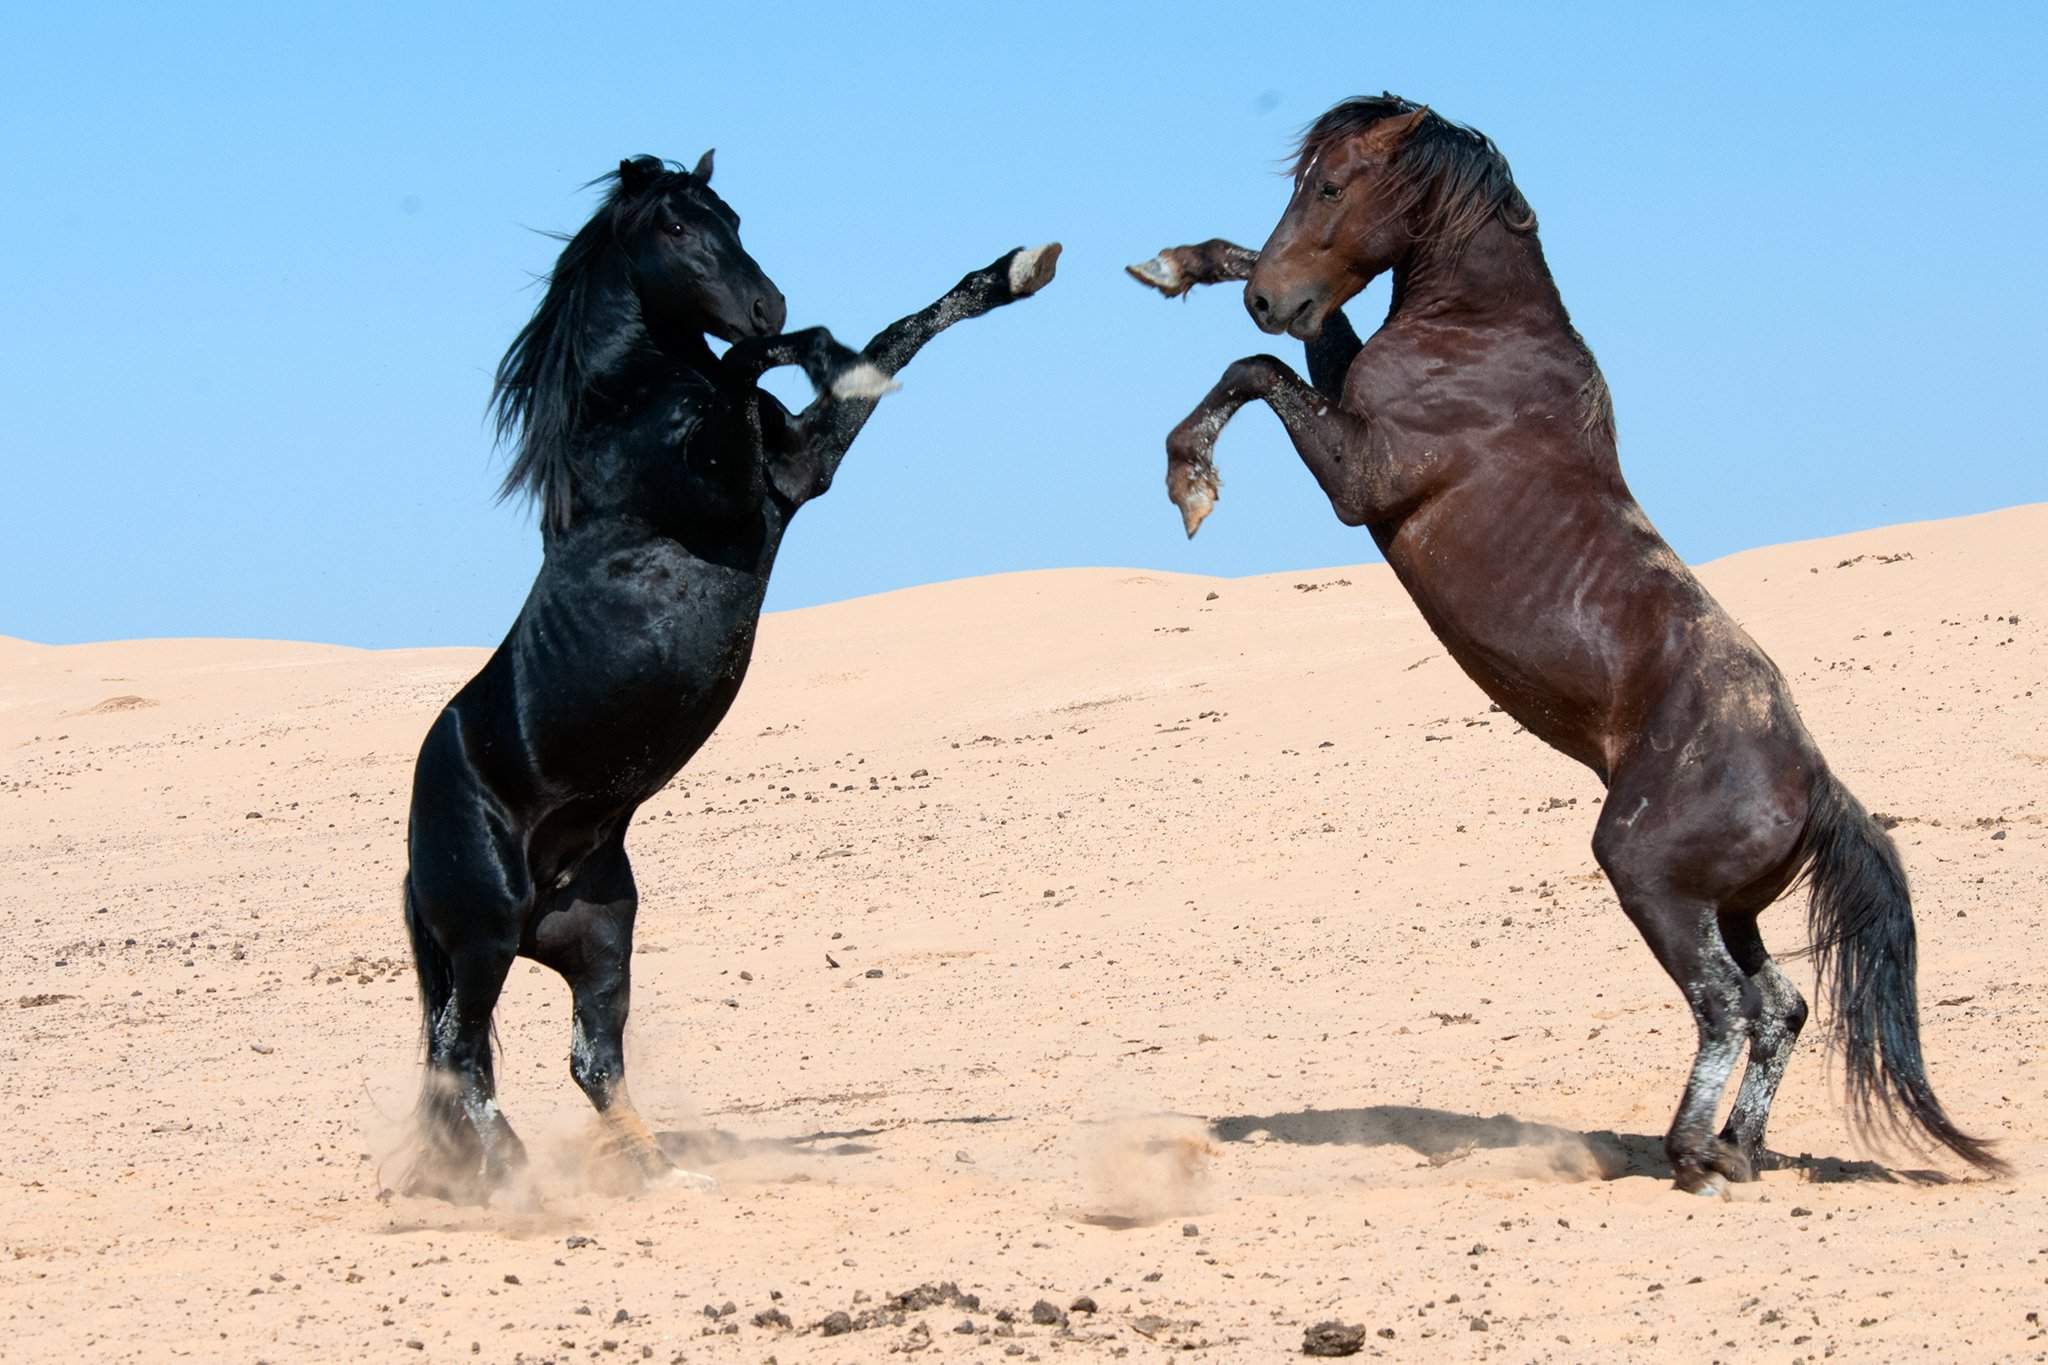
pixel 261 260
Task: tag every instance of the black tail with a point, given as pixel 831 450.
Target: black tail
pixel 442 1159
pixel 1860 916
pixel 436 974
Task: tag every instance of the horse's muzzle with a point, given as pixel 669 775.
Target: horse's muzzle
pixel 769 311
pixel 1298 313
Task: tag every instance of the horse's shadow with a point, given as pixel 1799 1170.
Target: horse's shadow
pixel 1442 1137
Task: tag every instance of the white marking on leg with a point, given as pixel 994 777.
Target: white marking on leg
pixel 444 1027
pixel 579 1048
pixel 864 380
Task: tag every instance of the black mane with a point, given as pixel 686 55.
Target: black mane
pixel 538 393
pixel 1453 173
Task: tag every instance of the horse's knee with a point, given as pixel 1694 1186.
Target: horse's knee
pixel 1254 372
pixel 1783 1000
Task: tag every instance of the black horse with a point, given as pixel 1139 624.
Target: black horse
pixel 665 479
pixel 1473 437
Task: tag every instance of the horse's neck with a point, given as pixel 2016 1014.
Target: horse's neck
pixel 631 356
pixel 1499 276
pixel 649 389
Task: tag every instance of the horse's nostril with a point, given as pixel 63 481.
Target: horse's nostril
pixel 761 310
pixel 1260 304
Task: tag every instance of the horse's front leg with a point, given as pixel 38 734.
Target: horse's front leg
pixel 824 430
pixel 1335 445
pixel 1177 269
pixel 814 350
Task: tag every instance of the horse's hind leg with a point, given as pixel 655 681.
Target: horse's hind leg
pixel 1684 935
pixel 1781 1013
pixel 586 934
pixel 464 896
pixel 467 1148
pixel 1679 848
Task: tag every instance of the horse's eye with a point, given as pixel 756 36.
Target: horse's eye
pixel 675 229
pixel 1330 191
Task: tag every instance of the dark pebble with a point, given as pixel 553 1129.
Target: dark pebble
pixel 1333 1338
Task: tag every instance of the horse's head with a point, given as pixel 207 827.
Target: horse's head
pixel 683 243
pixel 1348 221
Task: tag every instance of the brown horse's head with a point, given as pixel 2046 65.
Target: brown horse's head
pixel 1376 181
pixel 1347 222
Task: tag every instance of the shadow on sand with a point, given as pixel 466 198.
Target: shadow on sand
pixel 1441 1137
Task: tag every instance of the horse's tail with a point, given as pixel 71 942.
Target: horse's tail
pixel 430 963
pixel 1860 917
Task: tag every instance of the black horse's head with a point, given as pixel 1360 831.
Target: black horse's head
pixel 683 245
pixel 665 237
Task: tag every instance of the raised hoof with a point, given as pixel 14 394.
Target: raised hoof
pixel 1159 273
pixel 1194 492
pixel 1031 268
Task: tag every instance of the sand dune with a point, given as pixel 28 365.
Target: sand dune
pixel 1240 969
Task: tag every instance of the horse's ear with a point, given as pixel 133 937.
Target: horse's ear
pixel 1390 133
pixel 636 173
pixel 703 170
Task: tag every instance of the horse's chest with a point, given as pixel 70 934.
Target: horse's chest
pixel 692 638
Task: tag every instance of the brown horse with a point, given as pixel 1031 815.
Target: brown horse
pixel 1472 436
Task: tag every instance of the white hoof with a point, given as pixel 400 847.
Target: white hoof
pixel 1032 268
pixel 1713 1186
pixel 863 381
pixel 688 1180
pixel 1158 272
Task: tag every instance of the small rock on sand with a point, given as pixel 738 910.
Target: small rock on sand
pixel 1333 1338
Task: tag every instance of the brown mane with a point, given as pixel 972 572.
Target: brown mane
pixel 1452 173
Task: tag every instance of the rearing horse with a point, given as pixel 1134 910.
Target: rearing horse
pixel 665 478
pixel 1472 436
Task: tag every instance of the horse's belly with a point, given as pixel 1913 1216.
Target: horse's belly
pixel 621 680
pixel 1559 620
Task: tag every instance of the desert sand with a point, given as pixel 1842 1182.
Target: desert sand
pixel 1207 948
